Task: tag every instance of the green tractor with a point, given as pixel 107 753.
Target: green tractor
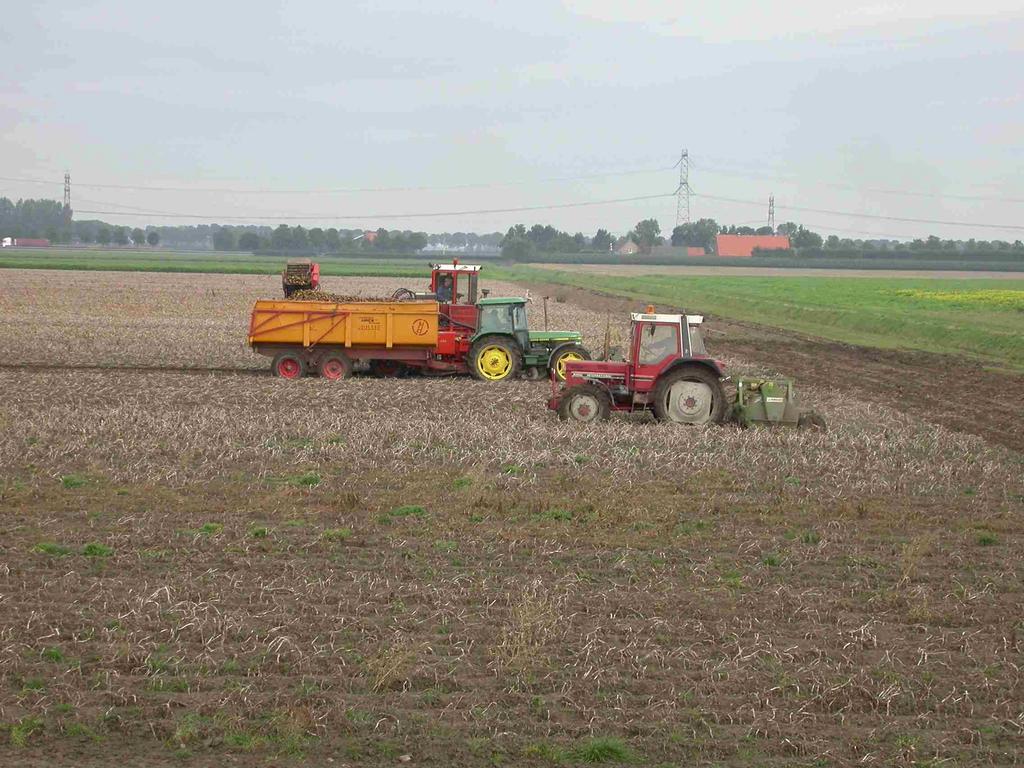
pixel 503 346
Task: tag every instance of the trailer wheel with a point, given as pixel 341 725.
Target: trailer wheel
pixel 689 395
pixel 565 355
pixel 585 403
pixel 388 369
pixel 288 365
pixel 335 367
pixel 494 358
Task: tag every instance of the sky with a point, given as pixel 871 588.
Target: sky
pixel 358 114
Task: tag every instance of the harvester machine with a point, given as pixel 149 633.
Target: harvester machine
pixel 300 275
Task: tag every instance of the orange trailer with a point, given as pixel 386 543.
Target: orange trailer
pixel 328 337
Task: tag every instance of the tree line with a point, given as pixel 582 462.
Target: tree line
pixel 49 219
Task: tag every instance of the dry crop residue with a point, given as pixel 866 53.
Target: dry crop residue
pixel 231 567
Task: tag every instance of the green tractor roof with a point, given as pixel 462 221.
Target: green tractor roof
pixel 504 300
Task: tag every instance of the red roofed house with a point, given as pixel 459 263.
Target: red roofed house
pixel 744 245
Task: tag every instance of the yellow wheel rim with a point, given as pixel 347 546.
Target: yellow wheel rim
pixel 560 363
pixel 494 363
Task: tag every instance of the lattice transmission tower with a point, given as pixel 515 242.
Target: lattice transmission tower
pixel 683 192
pixel 67 197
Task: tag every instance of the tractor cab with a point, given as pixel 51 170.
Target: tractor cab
pixel 667 370
pixel 454 283
pixel 455 287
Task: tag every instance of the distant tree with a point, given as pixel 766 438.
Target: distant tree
pixel 153 238
pixel 765 230
pixel 281 239
pixel 543 237
pixel 223 239
pixel 86 235
pixel 648 234
pixel 138 236
pixel 249 241
pixel 121 235
pixel 317 238
pixel 804 238
pixel 832 241
pixel 332 240
pixel 698 234
pixel 300 237
pixel 417 241
pixel 602 240
pixel 788 228
pixel 103 235
pixel 517 245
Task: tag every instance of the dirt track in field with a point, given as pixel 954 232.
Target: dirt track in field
pixel 955 392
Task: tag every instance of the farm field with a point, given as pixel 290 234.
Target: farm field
pixel 630 270
pixel 197 261
pixel 978 319
pixel 206 565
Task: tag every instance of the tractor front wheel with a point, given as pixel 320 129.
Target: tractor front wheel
pixel 690 395
pixel 563 356
pixel 288 365
pixel 585 403
pixel 494 358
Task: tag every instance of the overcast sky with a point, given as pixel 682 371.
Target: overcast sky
pixel 827 105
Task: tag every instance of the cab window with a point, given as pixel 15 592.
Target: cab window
pixel 658 341
pixel 467 288
pixel 445 286
pixel 494 318
pixel 697 348
pixel 519 317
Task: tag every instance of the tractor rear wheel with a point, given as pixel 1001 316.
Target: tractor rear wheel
pixel 585 403
pixel 565 355
pixel 494 358
pixel 288 365
pixel 689 395
pixel 335 367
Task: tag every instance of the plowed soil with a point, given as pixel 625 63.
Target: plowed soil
pixel 204 565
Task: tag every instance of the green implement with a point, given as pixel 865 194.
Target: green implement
pixel 771 401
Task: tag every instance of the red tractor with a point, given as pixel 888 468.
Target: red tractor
pixel 667 370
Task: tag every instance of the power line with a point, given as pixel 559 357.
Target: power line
pixel 753 175
pixel 415 215
pixel 339 190
pixel 851 214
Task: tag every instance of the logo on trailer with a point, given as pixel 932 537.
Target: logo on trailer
pixel 420 327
